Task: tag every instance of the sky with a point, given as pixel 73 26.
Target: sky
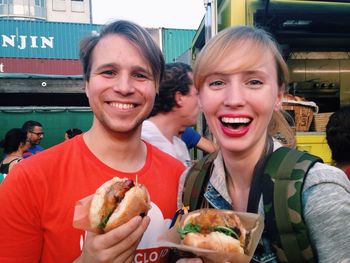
pixel 180 14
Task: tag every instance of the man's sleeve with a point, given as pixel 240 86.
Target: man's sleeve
pixel 191 137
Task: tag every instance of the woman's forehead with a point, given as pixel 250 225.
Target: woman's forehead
pixel 244 57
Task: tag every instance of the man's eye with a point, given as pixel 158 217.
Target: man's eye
pixel 108 73
pixel 140 76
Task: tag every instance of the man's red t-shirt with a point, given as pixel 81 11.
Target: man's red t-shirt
pixel 38 197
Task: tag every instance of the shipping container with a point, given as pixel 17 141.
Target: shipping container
pixel 18 89
pixel 41 66
pixel 60 40
pixel 175 42
pixel 41 39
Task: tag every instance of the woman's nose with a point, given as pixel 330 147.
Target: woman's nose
pixel 234 96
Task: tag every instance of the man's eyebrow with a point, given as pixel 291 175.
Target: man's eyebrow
pixel 140 68
pixel 145 70
pixel 107 65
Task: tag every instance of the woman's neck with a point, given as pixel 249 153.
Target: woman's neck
pixel 240 167
pixel 239 174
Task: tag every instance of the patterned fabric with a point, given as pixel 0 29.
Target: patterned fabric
pixel 286 171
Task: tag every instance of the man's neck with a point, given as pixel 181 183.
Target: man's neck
pixel 122 152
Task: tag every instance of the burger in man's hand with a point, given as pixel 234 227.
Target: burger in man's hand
pixel 116 202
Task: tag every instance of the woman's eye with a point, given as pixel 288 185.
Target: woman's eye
pixel 216 83
pixel 254 82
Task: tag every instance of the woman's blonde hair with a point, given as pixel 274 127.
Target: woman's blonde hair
pixel 231 41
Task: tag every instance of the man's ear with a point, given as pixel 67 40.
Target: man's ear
pixel 86 88
pixel 179 99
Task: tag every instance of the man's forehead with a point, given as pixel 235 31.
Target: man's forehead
pixel 37 128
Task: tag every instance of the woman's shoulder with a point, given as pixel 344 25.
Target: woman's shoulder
pixel 8 161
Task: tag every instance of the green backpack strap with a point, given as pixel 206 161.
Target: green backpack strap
pixel 196 180
pixel 288 168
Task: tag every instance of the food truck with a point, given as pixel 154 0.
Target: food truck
pixel 314 37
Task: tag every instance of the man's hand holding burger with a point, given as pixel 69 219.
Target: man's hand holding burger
pixel 117 245
pixel 118 220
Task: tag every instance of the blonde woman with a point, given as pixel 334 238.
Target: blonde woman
pixel 241 77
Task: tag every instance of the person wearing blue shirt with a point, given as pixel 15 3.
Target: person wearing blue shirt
pixel 35 134
pixel 193 139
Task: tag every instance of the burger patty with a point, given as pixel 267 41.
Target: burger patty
pixel 115 195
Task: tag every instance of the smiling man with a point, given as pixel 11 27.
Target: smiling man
pixel 122 69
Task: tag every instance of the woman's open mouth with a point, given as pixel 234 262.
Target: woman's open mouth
pixel 235 126
pixel 235 123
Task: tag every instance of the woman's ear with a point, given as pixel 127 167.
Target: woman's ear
pixel 279 100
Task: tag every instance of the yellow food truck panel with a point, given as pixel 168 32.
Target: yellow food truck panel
pixel 314 143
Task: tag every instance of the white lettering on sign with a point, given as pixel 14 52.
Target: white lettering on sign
pixel 148 257
pixel 23 42
pixel 1 67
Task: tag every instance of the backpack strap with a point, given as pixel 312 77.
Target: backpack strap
pixel 287 168
pixel 196 180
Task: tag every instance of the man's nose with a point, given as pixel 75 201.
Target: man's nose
pixel 124 85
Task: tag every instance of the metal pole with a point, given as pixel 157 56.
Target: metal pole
pixel 210 19
pixel 90 7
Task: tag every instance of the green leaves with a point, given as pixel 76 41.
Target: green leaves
pixel 189 228
pixel 104 221
pixel 192 228
pixel 227 231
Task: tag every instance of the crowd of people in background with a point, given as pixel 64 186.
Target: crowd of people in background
pixel 20 143
pixel 143 116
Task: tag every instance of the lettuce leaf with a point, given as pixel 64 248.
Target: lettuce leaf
pixel 189 228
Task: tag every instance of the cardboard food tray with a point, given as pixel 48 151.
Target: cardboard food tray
pixel 252 222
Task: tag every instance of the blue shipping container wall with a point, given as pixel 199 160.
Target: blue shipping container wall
pixel 41 39
pixel 58 40
pixel 176 42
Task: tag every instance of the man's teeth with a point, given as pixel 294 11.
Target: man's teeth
pixel 235 120
pixel 123 106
